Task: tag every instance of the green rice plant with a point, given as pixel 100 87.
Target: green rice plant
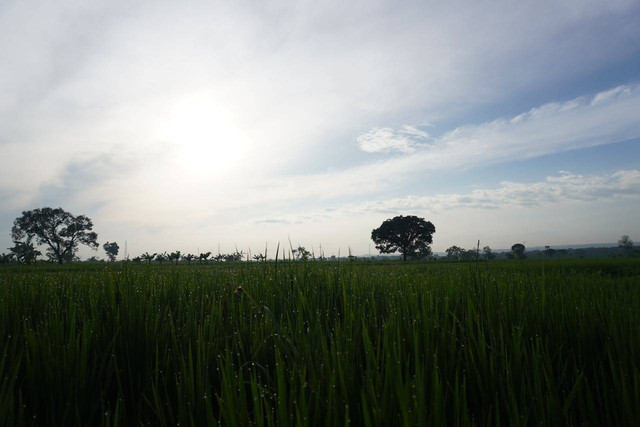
pixel 321 343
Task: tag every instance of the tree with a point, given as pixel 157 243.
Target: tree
pixel 204 257
pixel 6 258
pixel 61 231
pixel 112 250
pixel 162 257
pixel 189 258
pixel 469 254
pixel 461 254
pixel 518 251
pixel 455 252
pixel 175 256
pixel 424 253
pixel 148 257
pixel 409 235
pixel 548 251
pixel 234 256
pixel 25 252
pixel 626 244
pixel 301 253
pixel 259 257
pixel 487 253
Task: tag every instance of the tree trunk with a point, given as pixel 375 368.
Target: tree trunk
pixel 404 256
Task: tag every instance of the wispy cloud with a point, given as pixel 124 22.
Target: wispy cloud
pixel 272 221
pixel 181 117
pixel 606 117
pixel 564 187
pixel 586 121
pixel 551 128
pixel 384 140
pixel 560 188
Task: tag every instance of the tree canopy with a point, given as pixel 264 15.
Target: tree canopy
pixel 409 235
pixel 175 256
pixel 203 257
pixel 148 257
pixel 460 254
pixel 488 253
pixel 24 252
pixel 112 250
pixel 518 251
pixel 626 244
pixel 61 231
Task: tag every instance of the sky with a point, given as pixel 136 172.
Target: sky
pixel 196 125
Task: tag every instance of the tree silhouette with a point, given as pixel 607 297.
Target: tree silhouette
pixel 203 257
pixel 301 253
pixel 25 252
pixel 6 258
pixel 409 235
pixel 148 257
pixel 487 253
pixel 454 252
pixel 175 256
pixel 189 258
pixel 61 231
pixel 518 251
pixel 626 244
pixel 112 250
pixel 234 256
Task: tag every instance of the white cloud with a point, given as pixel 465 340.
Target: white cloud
pixel 551 128
pixel 607 117
pixel 220 110
pixel 193 197
pixel 608 95
pixel 548 129
pixel 565 187
pixel 384 140
pixel 561 209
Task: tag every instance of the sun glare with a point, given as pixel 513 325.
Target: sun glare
pixel 209 141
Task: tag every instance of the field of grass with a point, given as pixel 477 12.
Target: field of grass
pixel 509 343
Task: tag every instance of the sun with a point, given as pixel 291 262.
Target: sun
pixel 207 135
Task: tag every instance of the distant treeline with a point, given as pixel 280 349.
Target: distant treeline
pixel 458 254
pixel 546 253
pixel 61 233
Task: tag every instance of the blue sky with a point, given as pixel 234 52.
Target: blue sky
pixel 184 126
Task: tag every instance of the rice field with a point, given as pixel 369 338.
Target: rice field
pixel 322 343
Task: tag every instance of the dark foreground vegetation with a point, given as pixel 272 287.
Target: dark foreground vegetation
pixel 510 343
